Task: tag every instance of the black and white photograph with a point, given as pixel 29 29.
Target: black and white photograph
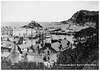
pixel 50 35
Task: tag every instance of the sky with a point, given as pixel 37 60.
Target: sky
pixel 43 11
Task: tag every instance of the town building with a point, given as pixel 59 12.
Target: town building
pixel 23 32
pixel 48 53
pixel 7 30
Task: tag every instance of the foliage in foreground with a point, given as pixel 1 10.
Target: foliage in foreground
pixel 86 51
pixel 22 65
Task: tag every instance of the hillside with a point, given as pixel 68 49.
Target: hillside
pixel 83 18
pixel 86 42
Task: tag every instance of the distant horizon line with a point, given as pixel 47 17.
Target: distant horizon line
pixel 31 20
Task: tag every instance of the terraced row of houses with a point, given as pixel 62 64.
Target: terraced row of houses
pixel 7 30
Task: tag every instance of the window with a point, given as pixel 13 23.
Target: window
pixel 48 52
pixel 1 43
pixel 48 58
pixel 9 44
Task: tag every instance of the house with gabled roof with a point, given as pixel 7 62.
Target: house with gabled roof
pixel 7 30
pixel 6 46
pixel 47 52
pixel 3 30
pixel 56 46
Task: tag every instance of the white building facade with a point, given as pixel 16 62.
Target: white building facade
pixel 24 32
